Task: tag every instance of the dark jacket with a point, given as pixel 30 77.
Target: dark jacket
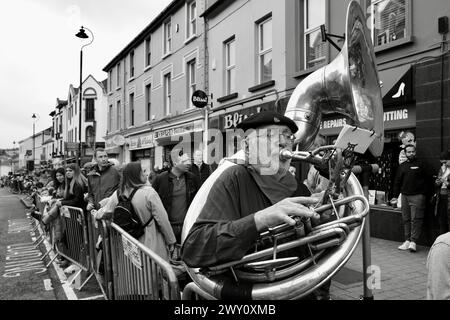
pixel 163 184
pixel 201 173
pixel 413 177
pixel 75 199
pixel 102 184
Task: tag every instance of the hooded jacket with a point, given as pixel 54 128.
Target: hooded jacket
pixel 102 184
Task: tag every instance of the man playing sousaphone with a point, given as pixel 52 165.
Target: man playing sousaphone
pixel 248 198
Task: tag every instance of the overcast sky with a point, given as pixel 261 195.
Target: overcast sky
pixel 39 53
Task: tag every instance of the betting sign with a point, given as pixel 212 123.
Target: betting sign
pixel 199 99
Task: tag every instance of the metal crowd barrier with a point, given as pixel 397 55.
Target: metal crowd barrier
pixel 100 254
pixel 46 232
pixel 76 240
pixel 139 273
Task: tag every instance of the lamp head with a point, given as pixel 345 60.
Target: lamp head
pixel 34 116
pixel 82 34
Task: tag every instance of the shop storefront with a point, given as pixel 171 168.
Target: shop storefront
pixel 142 148
pixel 115 147
pixel 189 135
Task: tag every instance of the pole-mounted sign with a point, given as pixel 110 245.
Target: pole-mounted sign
pixel 199 99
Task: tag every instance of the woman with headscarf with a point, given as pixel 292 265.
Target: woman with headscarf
pixel 158 235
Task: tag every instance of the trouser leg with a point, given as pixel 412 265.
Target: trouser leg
pixel 406 217
pixel 442 214
pixel 417 213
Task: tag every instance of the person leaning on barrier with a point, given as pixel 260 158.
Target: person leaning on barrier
pixel 103 180
pixel 438 265
pixel 158 235
pixel 76 185
pixel 245 199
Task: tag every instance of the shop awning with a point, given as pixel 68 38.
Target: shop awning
pixel 397 84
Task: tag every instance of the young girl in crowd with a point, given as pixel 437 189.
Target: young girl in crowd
pixel 158 235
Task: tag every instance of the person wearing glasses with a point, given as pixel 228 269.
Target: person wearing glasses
pixel 246 195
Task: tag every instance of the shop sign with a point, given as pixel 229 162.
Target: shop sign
pixel 199 99
pixel 231 120
pixel 143 141
pixel 394 118
pixel 186 128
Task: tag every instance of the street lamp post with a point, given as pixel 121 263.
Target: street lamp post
pixel 34 139
pixel 82 35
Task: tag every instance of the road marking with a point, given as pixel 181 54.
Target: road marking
pixel 22 258
pixel 48 285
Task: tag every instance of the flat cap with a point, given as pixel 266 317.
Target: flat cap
pixel 265 118
pixel 445 155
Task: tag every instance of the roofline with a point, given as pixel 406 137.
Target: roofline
pixel 214 6
pixel 144 33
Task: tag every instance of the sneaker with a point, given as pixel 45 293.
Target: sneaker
pixel 405 245
pixel 412 247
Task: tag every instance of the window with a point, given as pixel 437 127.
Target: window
pixel 167 93
pixel 265 51
pixel 167 37
pixel 90 110
pixel 132 64
pixel 110 118
pixel 148 52
pixel 90 136
pixel 315 49
pixel 132 109
pixel 110 80
pixel 118 116
pixel 76 136
pixel 191 19
pixel 148 102
pixel 388 21
pixel 118 75
pixel 191 83
pixel 230 66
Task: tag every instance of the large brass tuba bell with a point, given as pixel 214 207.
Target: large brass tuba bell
pixel 349 86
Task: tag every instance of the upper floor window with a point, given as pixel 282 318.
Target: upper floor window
pixel 191 81
pixel 110 80
pixel 388 21
pixel 148 51
pixel 90 109
pixel 131 64
pixel 167 37
pixel 315 49
pixel 131 109
pixel 119 117
pixel 265 50
pixel 230 66
pixel 110 118
pixel 118 75
pixel 167 93
pixel 148 102
pixel 191 19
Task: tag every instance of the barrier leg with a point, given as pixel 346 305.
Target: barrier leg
pixel 40 241
pixel 46 254
pixel 86 281
pixel 53 259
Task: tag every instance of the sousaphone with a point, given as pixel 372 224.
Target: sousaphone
pixel 349 86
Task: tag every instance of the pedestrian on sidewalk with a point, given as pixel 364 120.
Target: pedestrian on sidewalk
pixel 442 182
pixel 412 181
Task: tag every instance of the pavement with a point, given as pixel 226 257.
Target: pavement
pixel 403 274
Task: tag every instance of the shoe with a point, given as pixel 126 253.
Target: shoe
pixel 412 247
pixel 405 245
pixel 36 215
pixel 64 264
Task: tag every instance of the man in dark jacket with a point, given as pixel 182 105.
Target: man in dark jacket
pixel 249 196
pixel 200 169
pixel 177 189
pixel 103 180
pixel 412 181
